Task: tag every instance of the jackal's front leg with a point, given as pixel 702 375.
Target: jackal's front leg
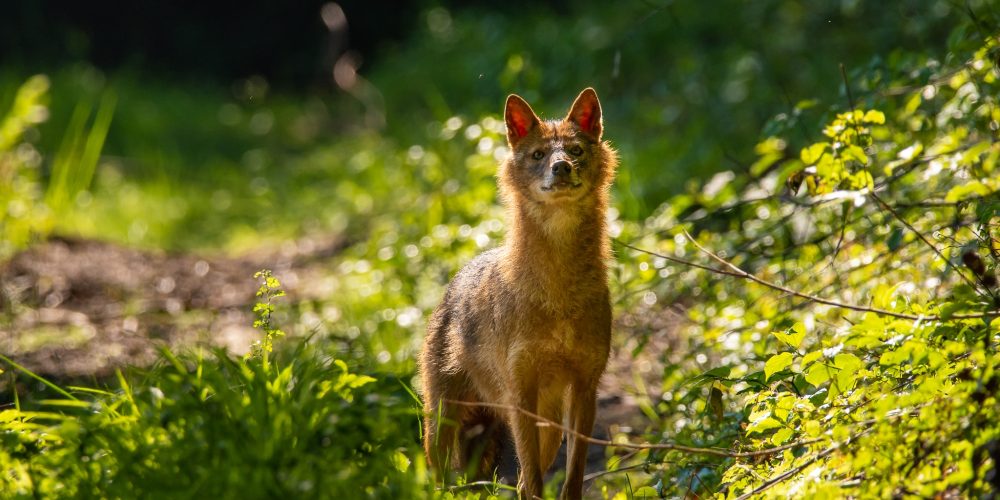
pixel 582 409
pixel 525 432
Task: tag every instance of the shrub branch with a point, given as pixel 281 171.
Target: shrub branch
pixel 545 422
pixel 735 270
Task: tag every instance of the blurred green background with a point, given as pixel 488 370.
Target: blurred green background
pixel 239 125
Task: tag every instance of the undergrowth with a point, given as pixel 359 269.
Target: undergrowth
pixel 208 424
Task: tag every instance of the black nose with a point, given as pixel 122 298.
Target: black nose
pixel 561 167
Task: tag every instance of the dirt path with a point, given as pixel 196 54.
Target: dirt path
pixel 73 308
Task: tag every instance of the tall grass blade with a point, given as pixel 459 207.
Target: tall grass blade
pixel 37 377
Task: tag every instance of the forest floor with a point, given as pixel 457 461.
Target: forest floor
pixel 77 309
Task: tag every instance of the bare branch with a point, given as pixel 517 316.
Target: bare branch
pixel 677 260
pixel 544 422
pixel 812 298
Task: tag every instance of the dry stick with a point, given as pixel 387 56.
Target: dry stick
pixel 812 298
pixel 544 422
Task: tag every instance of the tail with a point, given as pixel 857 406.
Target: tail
pixel 482 437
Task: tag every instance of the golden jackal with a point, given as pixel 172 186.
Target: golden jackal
pixel 528 324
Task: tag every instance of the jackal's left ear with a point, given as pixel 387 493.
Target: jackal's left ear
pixel 586 113
pixel 520 119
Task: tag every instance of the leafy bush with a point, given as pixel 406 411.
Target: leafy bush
pixel 852 302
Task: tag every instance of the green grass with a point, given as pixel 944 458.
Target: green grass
pixel 292 421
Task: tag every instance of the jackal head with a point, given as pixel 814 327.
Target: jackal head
pixel 557 163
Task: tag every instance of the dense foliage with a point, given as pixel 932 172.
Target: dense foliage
pixel 859 315
pixel 837 295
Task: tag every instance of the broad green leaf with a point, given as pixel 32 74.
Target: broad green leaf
pixel 970 189
pixel 781 436
pixel 882 295
pixel 818 374
pixel 794 336
pixel 852 152
pixel 812 428
pixel 777 363
pixel 812 154
pixel 400 461
pixel 874 116
pixel 762 425
pixel 809 358
pixel 847 361
pixel 849 366
pixel 895 239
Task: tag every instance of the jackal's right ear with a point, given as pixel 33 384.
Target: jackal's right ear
pixel 520 119
pixel 586 113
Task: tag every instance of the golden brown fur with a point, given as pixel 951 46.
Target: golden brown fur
pixel 528 324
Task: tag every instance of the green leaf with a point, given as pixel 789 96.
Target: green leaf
pixel 895 239
pixel 818 374
pixel 715 402
pixel 812 356
pixel 781 436
pixel 400 461
pixel 812 154
pixel 852 152
pixel 849 366
pixel 874 116
pixel 794 336
pixel 777 363
pixel 895 357
pixel 971 189
pixel 763 424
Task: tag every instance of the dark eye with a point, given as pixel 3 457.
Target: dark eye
pixel 576 151
pixel 538 155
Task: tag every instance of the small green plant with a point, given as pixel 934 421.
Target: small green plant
pixel 270 289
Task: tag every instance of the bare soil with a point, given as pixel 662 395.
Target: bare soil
pixel 72 308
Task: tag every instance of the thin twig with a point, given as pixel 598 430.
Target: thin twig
pixel 923 238
pixel 847 87
pixel 545 422
pixel 812 298
pixel 595 475
pixel 477 484
pixel 677 260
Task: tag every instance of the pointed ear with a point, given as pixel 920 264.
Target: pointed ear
pixel 586 113
pixel 520 119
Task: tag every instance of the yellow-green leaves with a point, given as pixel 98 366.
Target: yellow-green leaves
pixel 842 161
pixel 345 383
pixel 810 155
pixel 874 116
pixel 848 366
pixel 793 336
pixel 971 189
pixel 777 363
pixel 270 289
pixel 855 153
